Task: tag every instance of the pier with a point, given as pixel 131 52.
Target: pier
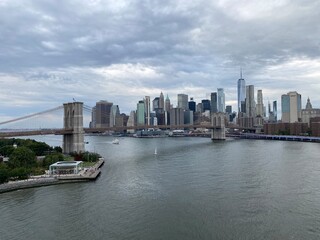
pixel 280 137
pixel 87 174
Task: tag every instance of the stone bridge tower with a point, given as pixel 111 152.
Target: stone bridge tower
pixel 73 120
pixel 218 124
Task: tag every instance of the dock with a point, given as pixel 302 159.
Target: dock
pixel 280 137
pixel 87 174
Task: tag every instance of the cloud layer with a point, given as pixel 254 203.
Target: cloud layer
pixel 124 50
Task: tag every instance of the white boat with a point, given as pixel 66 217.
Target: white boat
pixel 155 151
pixel 115 141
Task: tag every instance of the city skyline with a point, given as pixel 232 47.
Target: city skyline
pixel 128 50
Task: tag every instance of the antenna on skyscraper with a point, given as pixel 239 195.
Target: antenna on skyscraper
pixel 240 72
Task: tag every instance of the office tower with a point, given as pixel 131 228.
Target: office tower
pixel 214 102
pixel 103 112
pixel 141 113
pixel 229 109
pixel 188 117
pixel 291 107
pixel 114 114
pixel 275 110
pixel 155 104
pixel 199 108
pixel 192 105
pixel 221 100
pixel 167 105
pixel 176 116
pixel 93 117
pixel 183 101
pixel 147 109
pixel 161 101
pixel 206 105
pixel 260 107
pixel 250 102
pixel 241 92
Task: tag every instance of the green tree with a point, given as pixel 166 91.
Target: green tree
pixel 6 150
pixel 52 158
pixel 4 173
pixel 19 173
pixel 22 157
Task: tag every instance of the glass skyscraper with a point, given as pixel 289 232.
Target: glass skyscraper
pixel 241 92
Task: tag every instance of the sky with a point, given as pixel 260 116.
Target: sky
pixel 52 52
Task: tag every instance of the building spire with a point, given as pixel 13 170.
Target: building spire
pixel 240 72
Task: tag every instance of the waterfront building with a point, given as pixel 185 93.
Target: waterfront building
pixel 214 102
pixel 221 100
pixel 183 101
pixel 147 110
pixel 309 113
pixel 291 107
pixel 141 113
pixel 65 167
pixel 192 105
pixel 241 93
pixel 103 113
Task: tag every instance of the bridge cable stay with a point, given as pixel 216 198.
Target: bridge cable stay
pixel 31 115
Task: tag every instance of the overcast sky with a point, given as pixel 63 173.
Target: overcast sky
pixel 120 51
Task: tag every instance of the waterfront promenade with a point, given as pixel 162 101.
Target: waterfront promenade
pixel 87 174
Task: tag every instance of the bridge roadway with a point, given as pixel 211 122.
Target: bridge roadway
pixel 16 133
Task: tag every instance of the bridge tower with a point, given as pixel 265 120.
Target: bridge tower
pixel 218 124
pixel 73 120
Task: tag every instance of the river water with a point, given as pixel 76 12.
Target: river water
pixel 192 189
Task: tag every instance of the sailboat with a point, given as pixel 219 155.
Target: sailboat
pixel 155 151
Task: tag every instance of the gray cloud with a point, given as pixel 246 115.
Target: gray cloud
pixel 113 49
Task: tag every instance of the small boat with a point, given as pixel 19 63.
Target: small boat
pixel 115 141
pixel 155 151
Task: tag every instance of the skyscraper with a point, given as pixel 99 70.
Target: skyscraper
pixel 141 113
pixel 241 91
pixel 221 100
pixel 183 101
pixel 192 105
pixel 161 101
pixel 205 105
pixel 147 109
pixel 291 107
pixel 103 112
pixel 275 110
pixel 167 105
pixel 250 102
pixel 214 102
pixel 260 107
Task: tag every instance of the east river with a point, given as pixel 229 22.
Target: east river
pixel 192 189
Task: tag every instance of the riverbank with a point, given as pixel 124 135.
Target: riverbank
pixel 87 174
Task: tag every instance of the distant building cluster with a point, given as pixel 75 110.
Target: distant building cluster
pixel 251 113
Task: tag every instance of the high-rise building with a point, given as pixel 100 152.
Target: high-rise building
pixel 221 100
pixel 93 117
pixel 103 112
pixel 155 104
pixel 259 106
pixel 114 114
pixel 229 109
pixel 167 105
pixel 147 109
pixel 206 105
pixel 141 113
pixel 192 105
pixel 291 107
pixel 275 111
pixel 183 101
pixel 176 116
pixel 241 92
pixel 250 102
pixel 161 101
pixel 214 102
